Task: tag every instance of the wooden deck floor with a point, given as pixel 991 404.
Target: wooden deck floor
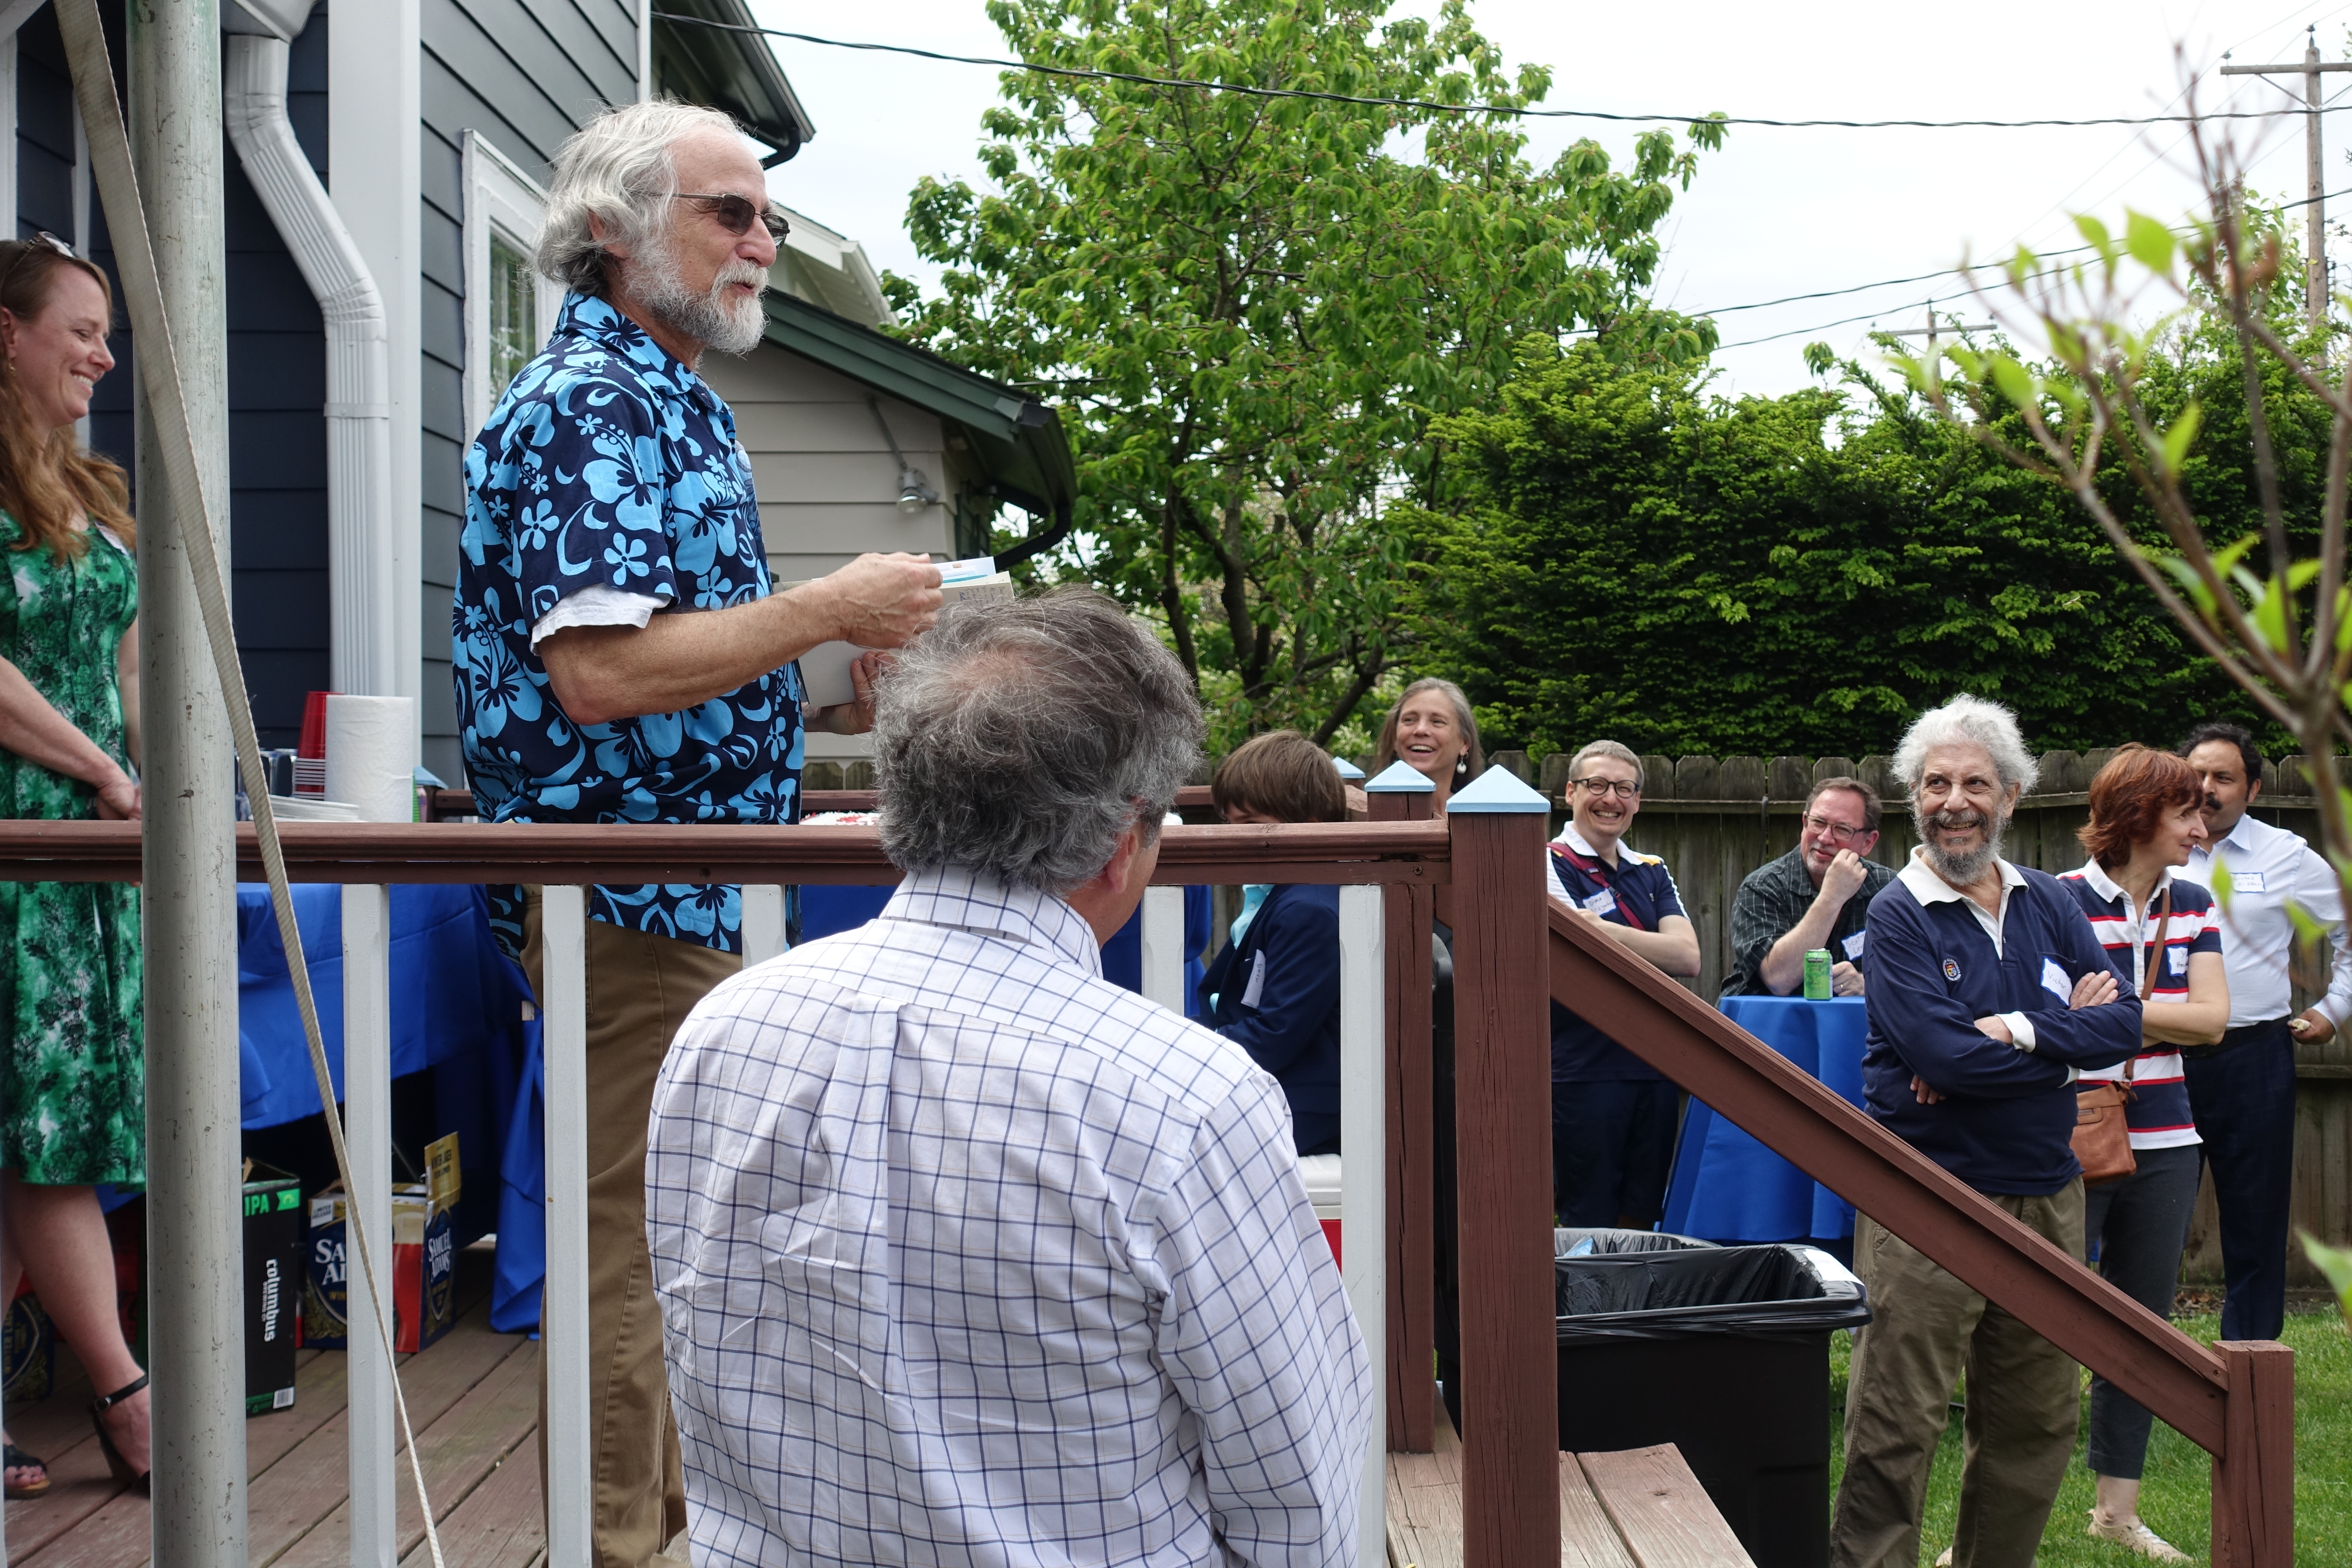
pixel 1639 1509
pixel 473 1397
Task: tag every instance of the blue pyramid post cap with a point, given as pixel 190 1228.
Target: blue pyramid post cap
pixel 1398 778
pixel 1346 770
pixel 1496 789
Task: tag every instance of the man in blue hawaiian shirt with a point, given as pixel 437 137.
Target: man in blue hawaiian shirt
pixel 620 658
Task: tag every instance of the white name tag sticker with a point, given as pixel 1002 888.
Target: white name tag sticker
pixel 1256 987
pixel 1852 946
pixel 2055 980
pixel 2246 881
pixel 2177 957
pixel 1603 902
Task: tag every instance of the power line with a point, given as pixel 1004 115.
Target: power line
pixel 1921 277
pixel 1246 90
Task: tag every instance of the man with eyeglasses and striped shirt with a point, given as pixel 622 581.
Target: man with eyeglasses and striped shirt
pixel 1816 896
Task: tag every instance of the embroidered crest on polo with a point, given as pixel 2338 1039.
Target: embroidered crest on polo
pixel 1952 969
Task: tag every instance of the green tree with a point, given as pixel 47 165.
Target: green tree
pixel 1254 307
pixel 1686 573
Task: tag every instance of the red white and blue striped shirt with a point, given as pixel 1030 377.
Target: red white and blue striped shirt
pixel 2159 1112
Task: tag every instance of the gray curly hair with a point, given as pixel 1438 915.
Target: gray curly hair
pixel 618 167
pixel 1019 740
pixel 1970 721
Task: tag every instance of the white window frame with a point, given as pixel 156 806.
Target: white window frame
pixel 500 200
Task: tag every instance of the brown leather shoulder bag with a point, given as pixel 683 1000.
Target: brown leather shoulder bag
pixel 2101 1127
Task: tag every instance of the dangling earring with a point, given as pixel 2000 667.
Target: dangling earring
pixel 1462 764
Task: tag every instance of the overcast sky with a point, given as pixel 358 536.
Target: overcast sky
pixel 1776 211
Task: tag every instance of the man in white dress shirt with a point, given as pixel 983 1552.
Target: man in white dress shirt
pixel 2241 1091
pixel 964 1253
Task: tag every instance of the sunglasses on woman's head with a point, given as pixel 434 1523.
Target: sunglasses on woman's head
pixel 735 214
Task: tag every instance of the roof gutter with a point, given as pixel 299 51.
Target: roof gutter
pixel 360 570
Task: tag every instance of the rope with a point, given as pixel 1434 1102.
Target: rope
pixel 159 374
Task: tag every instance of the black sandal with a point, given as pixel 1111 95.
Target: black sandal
pixel 16 1459
pixel 138 1480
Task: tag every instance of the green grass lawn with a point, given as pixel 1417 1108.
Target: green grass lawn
pixel 2176 1496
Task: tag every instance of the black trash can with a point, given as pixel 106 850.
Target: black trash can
pixel 1723 1352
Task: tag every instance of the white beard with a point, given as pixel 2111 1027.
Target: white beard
pixel 714 320
pixel 1960 870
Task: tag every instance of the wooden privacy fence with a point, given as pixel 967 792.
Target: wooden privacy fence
pixel 1480 872
pixel 1716 819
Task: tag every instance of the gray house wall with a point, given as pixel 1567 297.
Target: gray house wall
pixel 524 75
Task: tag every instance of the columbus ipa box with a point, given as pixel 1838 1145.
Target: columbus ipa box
pixel 273 1292
pixel 422 1262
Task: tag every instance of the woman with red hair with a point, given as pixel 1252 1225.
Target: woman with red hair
pixel 2163 941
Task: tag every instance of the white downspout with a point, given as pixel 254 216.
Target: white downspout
pixel 359 557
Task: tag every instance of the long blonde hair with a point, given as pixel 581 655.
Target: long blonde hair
pixel 49 482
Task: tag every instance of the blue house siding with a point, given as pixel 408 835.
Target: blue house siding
pixel 277 431
pixel 524 74
pixel 45 137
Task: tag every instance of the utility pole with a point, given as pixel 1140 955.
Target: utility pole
pixel 1930 330
pixel 194 1249
pixel 2315 264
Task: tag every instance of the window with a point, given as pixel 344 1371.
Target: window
pixel 510 310
pixel 514 315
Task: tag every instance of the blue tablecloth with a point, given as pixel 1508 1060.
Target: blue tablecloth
pixel 1728 1187
pixel 457 1010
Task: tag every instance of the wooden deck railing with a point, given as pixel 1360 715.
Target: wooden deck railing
pixel 563 860
pixel 1483 875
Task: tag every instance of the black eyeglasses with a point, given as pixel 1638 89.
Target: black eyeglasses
pixel 735 214
pixel 1624 789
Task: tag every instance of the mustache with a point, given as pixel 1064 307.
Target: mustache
pixel 1955 818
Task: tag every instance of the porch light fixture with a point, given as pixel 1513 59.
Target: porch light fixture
pixel 915 491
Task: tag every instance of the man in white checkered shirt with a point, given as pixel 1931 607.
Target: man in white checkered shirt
pixel 966 1255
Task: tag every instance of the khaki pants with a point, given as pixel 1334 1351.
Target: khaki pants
pixel 640 989
pixel 2023 1399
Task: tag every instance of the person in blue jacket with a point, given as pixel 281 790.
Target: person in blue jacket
pixel 1989 995
pixel 1273 989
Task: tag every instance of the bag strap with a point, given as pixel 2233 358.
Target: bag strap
pixel 2147 971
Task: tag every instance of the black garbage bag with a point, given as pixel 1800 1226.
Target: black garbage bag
pixel 1570 1241
pixel 1662 1294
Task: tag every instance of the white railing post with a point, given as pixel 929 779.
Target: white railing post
pixel 1163 947
pixel 763 923
pixel 563 1325
pixel 367 1208
pixel 1363 1182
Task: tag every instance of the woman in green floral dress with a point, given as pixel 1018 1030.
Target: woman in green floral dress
pixel 72 1072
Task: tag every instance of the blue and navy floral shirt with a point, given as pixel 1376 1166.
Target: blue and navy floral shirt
pixel 609 462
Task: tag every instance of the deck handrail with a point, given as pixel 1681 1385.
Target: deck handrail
pixel 2235 1401
pixel 403 852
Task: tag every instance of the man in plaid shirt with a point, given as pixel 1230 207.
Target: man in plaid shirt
pixel 965 1254
pixel 1816 896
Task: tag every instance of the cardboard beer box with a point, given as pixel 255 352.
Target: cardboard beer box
pixel 423 1263
pixel 273 1273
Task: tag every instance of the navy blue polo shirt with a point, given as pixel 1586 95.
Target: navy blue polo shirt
pixel 1638 892
pixel 2006 1123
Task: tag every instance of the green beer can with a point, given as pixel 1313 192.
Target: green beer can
pixel 1817 975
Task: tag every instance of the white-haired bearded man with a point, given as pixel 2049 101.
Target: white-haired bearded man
pixel 1989 993
pixel 619 657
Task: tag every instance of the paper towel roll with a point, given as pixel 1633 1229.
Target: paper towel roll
pixel 371 756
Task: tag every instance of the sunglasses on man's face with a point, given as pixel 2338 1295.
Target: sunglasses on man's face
pixel 735 214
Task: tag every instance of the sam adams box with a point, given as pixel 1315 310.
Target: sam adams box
pixel 423 1258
